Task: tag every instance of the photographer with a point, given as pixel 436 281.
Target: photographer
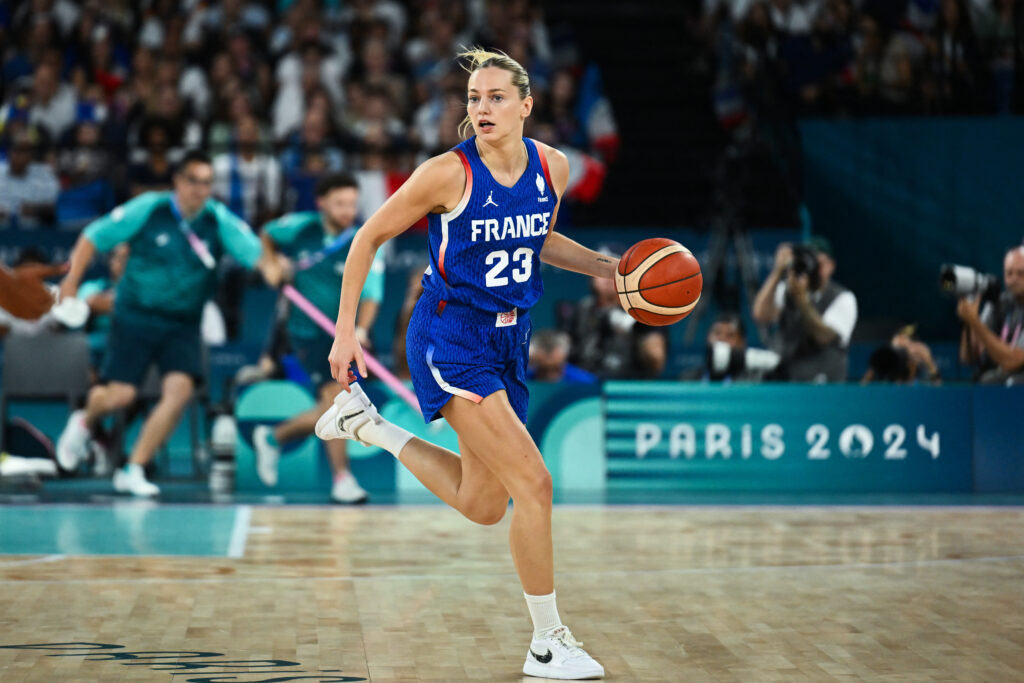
pixel 815 315
pixel 993 339
pixel 727 358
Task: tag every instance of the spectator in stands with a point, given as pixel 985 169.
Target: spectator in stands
pixel 374 70
pixel 54 104
pixel 28 189
pixel 955 59
pixel 300 74
pixel 378 129
pixel 815 314
pixel 104 64
pixel 996 39
pixel 85 169
pixel 429 52
pixel 190 83
pixel 727 358
pixel 28 42
pixel 608 342
pixel 993 339
pixel 248 179
pixel 155 172
pixel 309 155
pixel 198 69
pixel 549 359
pixel 184 131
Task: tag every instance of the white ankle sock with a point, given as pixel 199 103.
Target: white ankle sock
pixel 543 612
pixel 386 435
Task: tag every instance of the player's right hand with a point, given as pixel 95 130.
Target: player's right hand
pixel 345 351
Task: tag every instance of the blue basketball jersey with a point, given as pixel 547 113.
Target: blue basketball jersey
pixel 485 253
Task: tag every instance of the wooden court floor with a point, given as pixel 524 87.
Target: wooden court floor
pixel 419 594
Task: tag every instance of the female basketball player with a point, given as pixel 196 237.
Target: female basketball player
pixel 492 203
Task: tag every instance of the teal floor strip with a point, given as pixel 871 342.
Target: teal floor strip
pixel 129 528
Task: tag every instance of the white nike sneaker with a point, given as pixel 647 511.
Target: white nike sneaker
pixel 556 654
pixel 132 479
pixel 267 455
pixel 351 411
pixel 73 444
pixel 347 490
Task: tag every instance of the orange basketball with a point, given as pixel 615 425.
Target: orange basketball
pixel 658 281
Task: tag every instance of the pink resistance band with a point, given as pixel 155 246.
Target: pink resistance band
pixel 374 366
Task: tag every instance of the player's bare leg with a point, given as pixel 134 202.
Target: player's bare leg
pixel 490 435
pixel 463 482
pixel 176 391
pixel 492 430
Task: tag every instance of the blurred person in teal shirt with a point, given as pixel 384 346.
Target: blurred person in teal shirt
pixel 309 250
pixel 99 295
pixel 175 241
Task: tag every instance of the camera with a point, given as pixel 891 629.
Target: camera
pixel 805 262
pixel 958 281
pixel 724 360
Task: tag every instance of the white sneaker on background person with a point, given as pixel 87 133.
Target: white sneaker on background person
pixel 102 462
pixel 132 479
pixel 267 454
pixel 73 444
pixel 556 654
pixel 347 490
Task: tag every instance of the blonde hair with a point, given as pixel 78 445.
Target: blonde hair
pixel 476 58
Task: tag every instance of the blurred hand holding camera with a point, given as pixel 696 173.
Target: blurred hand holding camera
pixel 783 257
pixel 967 308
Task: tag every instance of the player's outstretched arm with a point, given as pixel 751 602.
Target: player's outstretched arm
pixel 564 253
pixel 559 250
pixel 436 186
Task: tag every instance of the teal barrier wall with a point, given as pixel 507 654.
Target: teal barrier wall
pixel 900 197
pixel 788 437
pixel 636 436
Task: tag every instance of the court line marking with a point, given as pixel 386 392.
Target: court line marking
pixel 37 560
pixel 992 559
pixel 240 531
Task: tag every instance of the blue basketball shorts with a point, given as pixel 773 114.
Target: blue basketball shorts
pixel 456 350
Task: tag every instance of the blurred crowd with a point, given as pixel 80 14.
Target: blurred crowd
pixel 865 57
pixel 99 99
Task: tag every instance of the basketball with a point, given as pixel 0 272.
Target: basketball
pixel 23 293
pixel 658 281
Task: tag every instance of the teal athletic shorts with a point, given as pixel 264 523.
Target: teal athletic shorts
pixel 138 340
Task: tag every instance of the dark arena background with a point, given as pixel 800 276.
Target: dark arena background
pixel 818 474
